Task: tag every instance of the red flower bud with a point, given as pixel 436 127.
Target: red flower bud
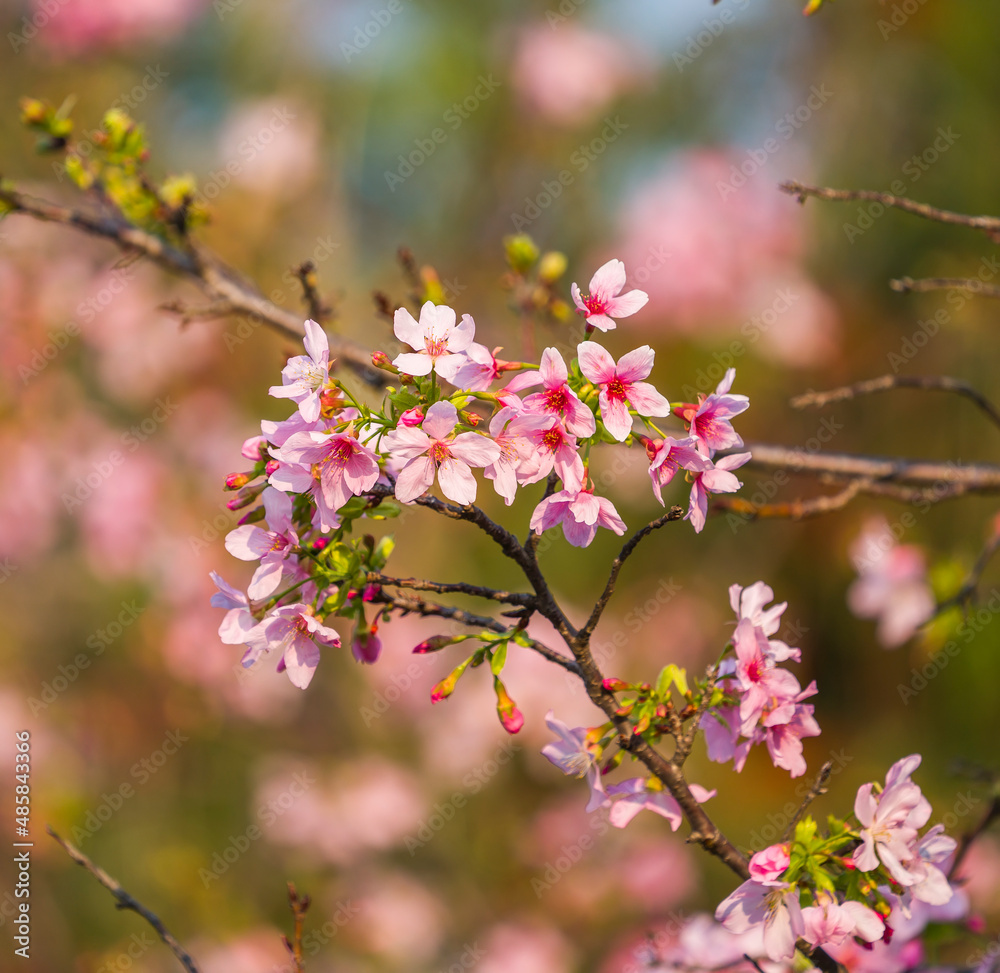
pixel 615 685
pixel 236 480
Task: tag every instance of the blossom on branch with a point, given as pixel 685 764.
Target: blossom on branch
pixel 436 338
pixel 605 300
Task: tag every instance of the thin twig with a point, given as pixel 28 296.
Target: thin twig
pixel 300 906
pixel 125 901
pixel 418 606
pixel 818 788
pixel 674 513
pixel 417 584
pixel 218 281
pixel 987 224
pixel 798 509
pixel 921 285
pixel 305 273
pixel 970 586
pixel 887 383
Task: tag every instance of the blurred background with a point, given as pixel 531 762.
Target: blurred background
pixel 338 131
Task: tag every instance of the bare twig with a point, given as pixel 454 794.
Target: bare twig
pixel 887 383
pixel 987 224
pixel 818 788
pixel 970 586
pixel 674 513
pixel 220 283
pixel 417 584
pixel 906 285
pixel 305 273
pixel 299 905
pixel 125 901
pixel 418 606
pixel 798 509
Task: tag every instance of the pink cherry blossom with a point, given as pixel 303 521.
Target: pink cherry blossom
pixel 507 429
pixel 767 866
pixel 710 422
pixel 719 479
pixel 761 682
pixel 892 584
pixel 775 907
pixel 574 757
pixel 783 734
pixel 480 369
pixel 890 821
pixel 605 300
pixel 580 514
pixel 635 795
pixel 271 547
pixel 366 646
pixel 238 620
pixel 621 387
pixel 832 923
pixel 297 634
pixel 304 377
pixel 558 398
pixel 434 450
pixel 553 448
pixel 436 338
pixel 334 466
pixel 670 455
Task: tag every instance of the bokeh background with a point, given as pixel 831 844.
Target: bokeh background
pixel 428 839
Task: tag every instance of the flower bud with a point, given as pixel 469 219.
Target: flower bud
pixel 254 448
pixel 236 480
pixel 521 252
pixel 446 686
pixel 616 685
pixel 271 467
pixel 381 360
pixel 412 417
pixel 433 644
pixel 471 418
pixel 552 266
pixel 511 718
pixel 255 515
pixel 246 496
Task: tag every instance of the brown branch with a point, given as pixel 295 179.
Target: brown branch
pixel 798 509
pixel 305 273
pixel 887 383
pixel 970 586
pixel 906 285
pixel 125 901
pixel 674 513
pixel 987 224
pixel 418 606
pixel 299 905
pixel 417 584
pixel 219 282
pixel 818 788
pixel 970 477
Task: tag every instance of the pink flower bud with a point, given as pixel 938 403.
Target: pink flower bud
pixel 511 718
pixel 412 417
pixel 246 496
pixel 767 866
pixel 433 644
pixel 615 685
pixel 253 448
pixel 272 467
pixel 366 646
pixel 236 480
pixel 381 360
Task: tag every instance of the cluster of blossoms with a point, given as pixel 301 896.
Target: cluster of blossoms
pixel 767 702
pixel 833 890
pixel 335 461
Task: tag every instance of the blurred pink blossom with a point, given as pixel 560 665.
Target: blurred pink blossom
pixel 724 264
pixel 527 948
pixel 567 74
pixel 400 919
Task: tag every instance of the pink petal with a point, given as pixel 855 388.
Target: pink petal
pixel 608 280
pixel 317 343
pixel 552 369
pixel 647 401
pixel 474 449
pixel 596 363
pixel 413 363
pixel 627 303
pixel 457 481
pixel 414 479
pixel 636 365
pixel 616 417
pixel 407 329
pixel 440 420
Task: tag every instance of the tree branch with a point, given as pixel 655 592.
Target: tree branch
pixel 674 513
pixel 987 224
pixel 818 787
pixel 887 383
pixel 125 901
pixel 220 283
pixel 418 606
pixel 477 591
pixel 906 285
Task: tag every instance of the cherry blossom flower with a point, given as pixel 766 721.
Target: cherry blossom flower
pixel 434 450
pixel 670 455
pixel 931 883
pixel 710 422
pixel 605 300
pixel 297 634
pixel 750 602
pixel 783 734
pixel 334 466
pixel 890 821
pixel 436 338
pixel 580 514
pixel 621 386
pixel 481 368
pixel 304 376
pixel 767 866
pixel 507 430
pixel 719 479
pixel 891 585
pixel 762 683
pixel 271 547
pixel 552 448
pixel 558 398
pixel 635 795
pixel 572 755
pixel 832 923
pixel 776 907
pixel 239 620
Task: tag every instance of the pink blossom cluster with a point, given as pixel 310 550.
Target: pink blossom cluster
pixel 767 702
pixel 335 458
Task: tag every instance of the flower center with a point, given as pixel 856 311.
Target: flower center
pixel 594 304
pixel 555 400
pixel 435 347
pixel 616 389
pixel 552 438
pixel 438 452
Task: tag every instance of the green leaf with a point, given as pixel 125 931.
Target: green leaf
pixel 671 675
pixel 383 549
pixel 498 658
